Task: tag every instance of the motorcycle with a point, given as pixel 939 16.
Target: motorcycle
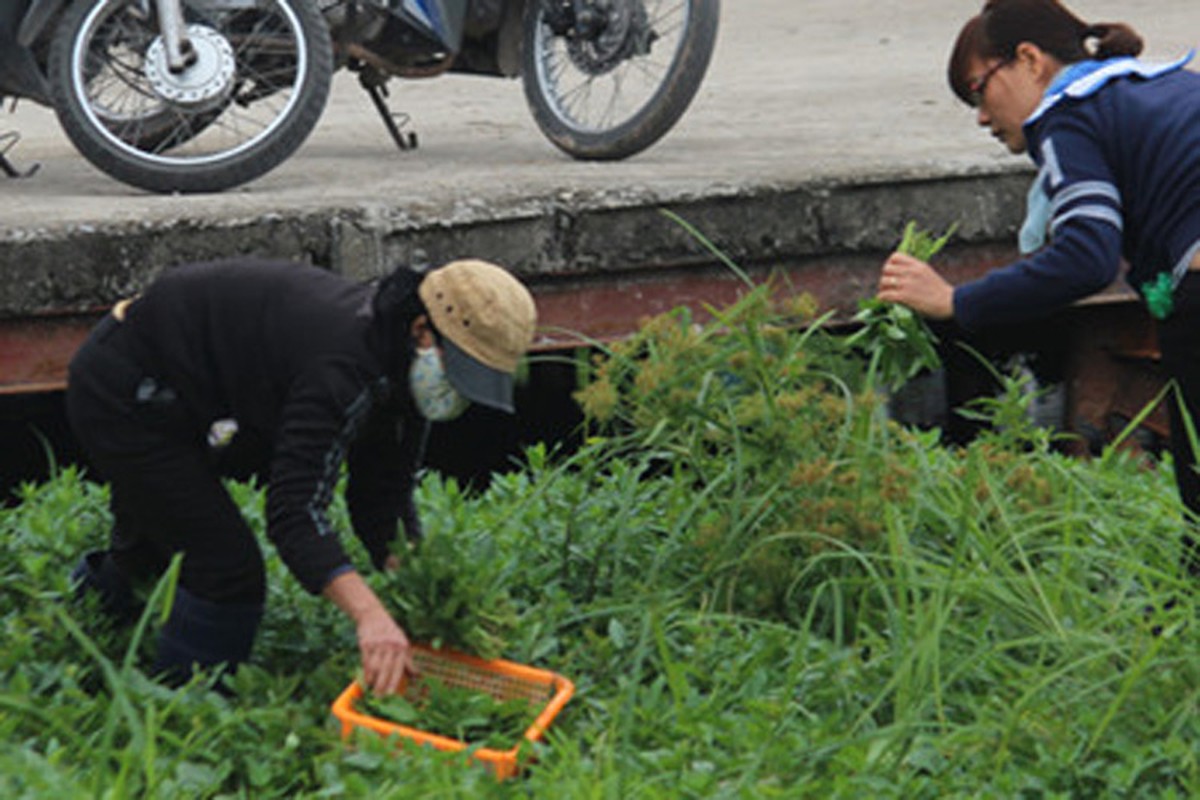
pixel 203 95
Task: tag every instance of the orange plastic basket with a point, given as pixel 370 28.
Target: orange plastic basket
pixel 503 680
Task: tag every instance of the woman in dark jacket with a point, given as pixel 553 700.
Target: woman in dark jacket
pixel 310 369
pixel 1117 145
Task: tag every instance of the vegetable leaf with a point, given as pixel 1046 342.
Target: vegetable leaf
pixel 896 340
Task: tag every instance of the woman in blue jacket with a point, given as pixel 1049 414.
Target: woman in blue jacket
pixel 1117 146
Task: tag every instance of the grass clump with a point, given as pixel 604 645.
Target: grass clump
pixel 760 584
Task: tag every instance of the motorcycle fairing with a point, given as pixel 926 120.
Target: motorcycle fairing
pixel 20 74
pixel 439 20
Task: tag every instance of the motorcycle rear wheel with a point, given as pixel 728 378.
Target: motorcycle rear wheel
pixel 252 97
pixel 616 90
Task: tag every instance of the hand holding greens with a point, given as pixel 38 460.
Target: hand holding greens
pixel 897 342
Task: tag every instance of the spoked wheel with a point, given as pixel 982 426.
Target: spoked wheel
pixel 255 88
pixel 611 81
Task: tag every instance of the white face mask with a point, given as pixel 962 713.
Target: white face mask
pixel 435 398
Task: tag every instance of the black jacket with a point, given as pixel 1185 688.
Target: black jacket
pixel 296 356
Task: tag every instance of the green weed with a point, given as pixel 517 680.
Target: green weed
pixel 761 586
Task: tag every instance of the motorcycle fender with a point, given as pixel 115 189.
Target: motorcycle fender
pixel 36 18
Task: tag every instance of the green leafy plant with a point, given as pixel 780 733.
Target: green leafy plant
pixel 453 589
pixel 469 715
pixel 896 341
pixel 760 586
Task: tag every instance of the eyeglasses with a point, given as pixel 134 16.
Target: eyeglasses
pixel 978 86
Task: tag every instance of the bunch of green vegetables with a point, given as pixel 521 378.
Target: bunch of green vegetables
pixel 459 712
pixel 453 590
pixel 896 341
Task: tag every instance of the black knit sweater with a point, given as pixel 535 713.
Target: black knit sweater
pixel 297 357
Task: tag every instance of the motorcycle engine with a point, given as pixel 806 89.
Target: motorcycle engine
pixel 354 20
pixel 483 17
pixel 381 28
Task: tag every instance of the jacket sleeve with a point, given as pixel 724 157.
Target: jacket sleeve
pixel 323 412
pixel 1086 223
pixel 383 465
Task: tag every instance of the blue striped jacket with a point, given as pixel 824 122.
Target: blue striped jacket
pixel 1117 145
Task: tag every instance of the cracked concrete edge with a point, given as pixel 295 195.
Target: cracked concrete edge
pixel 564 236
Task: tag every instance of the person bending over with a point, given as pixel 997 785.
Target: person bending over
pixel 312 371
pixel 1117 145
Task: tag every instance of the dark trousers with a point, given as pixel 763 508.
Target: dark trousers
pixel 1179 342
pixel 167 494
pixel 969 379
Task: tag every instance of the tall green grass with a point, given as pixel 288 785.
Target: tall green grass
pixel 761 585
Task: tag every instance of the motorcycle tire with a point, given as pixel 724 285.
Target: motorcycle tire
pixel 254 93
pixel 679 35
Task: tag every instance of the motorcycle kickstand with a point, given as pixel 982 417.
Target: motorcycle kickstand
pixel 405 140
pixel 7 140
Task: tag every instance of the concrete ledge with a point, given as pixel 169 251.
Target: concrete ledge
pixel 564 236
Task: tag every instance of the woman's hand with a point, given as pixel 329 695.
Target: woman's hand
pixel 912 282
pixel 382 644
pixel 385 651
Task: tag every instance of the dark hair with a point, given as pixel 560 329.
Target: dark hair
pixel 995 33
pixel 396 296
pixel 394 306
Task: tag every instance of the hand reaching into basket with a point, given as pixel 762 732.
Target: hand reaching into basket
pixel 383 645
pixel 386 655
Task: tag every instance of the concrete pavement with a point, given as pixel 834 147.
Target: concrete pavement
pixel 821 126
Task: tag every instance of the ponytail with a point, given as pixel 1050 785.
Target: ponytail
pixel 1112 39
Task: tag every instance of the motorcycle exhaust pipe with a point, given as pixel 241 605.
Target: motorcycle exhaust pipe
pixel 361 53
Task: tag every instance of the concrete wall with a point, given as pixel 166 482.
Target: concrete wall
pixel 563 236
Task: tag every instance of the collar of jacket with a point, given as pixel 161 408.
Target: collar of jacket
pixel 1085 78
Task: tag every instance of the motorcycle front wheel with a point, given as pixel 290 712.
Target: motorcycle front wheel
pixel 249 97
pixel 609 85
